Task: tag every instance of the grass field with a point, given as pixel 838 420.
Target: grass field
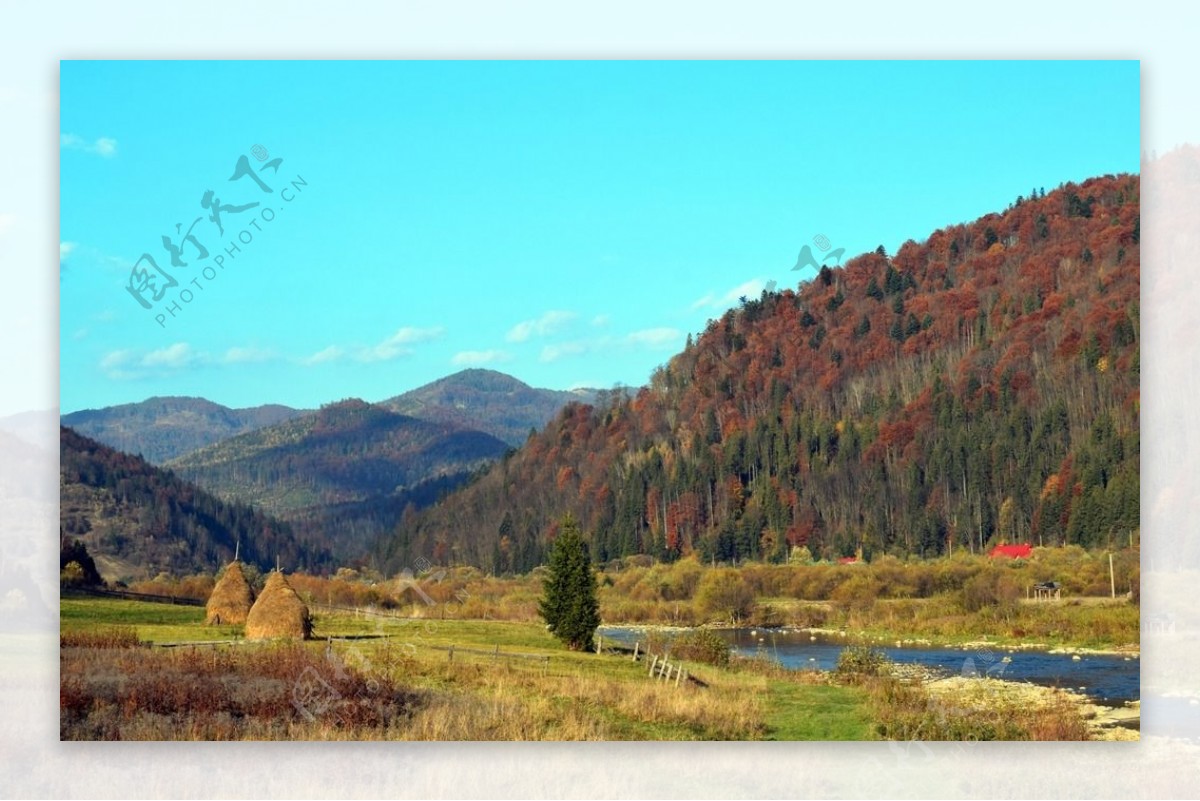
pixel 395 679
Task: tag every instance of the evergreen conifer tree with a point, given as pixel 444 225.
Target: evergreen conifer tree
pixel 568 603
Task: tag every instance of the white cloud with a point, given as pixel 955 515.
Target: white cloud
pixel 409 335
pixel 474 358
pixel 172 357
pixel 655 337
pixel 552 353
pixel 64 250
pixel 117 365
pixel 7 221
pixel 115 359
pixel 133 363
pixel 549 323
pixel 331 354
pixel 104 146
pixel 751 289
pixel 647 338
pixel 600 321
pixel 395 346
pixel 248 355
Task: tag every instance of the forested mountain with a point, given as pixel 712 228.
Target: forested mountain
pixel 486 401
pixel 161 429
pixel 345 473
pixel 977 387
pixel 137 519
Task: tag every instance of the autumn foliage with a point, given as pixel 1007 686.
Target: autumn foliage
pixel 978 387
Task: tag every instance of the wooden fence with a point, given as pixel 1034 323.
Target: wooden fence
pixel 496 654
pixel 136 596
pixel 661 666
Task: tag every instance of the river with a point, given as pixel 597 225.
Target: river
pixel 1106 679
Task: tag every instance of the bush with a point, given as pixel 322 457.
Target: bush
pixel 858 593
pixel 857 662
pixel 76 567
pixel 801 556
pixel 990 588
pixel 724 592
pixel 701 645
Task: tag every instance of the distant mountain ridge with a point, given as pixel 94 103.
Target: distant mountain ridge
pixel 351 456
pixel 163 428
pixel 489 401
pixel 347 472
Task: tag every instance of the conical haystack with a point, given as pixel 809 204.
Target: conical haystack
pixel 231 599
pixel 278 612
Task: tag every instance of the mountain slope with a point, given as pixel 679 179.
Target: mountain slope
pixel 161 429
pixel 485 400
pixel 343 473
pixel 137 519
pixel 980 386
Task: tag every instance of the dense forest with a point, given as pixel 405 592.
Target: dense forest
pixel 133 513
pixel 978 387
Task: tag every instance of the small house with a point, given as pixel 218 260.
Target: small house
pixel 1012 551
pixel 1047 591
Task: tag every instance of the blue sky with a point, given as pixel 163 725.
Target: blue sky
pixel 566 222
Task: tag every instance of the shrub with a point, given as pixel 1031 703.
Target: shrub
pixel 801 556
pixel 990 588
pixel 858 593
pixel 857 662
pixel 701 645
pixel 724 592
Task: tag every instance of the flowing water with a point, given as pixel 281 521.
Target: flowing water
pixel 1107 679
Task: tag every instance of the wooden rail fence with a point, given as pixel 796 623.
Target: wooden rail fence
pixel 661 667
pixel 136 596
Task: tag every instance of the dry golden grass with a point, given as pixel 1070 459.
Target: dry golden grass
pixel 481 700
pixel 222 693
pixel 973 709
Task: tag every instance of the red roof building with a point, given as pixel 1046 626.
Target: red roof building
pixel 1012 551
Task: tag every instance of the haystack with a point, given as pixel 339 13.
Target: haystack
pixel 231 599
pixel 278 612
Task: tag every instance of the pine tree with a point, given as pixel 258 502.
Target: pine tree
pixel 568 603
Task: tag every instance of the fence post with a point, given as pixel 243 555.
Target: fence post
pixel 451 659
pixel 678 674
pixel 635 650
pixel 599 643
pixel 664 667
pixel 496 653
pixel 652 664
